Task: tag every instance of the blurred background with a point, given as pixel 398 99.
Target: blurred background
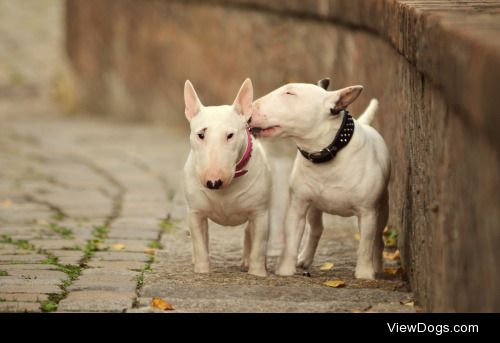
pixel 433 65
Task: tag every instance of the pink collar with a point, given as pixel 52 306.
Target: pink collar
pixel 246 157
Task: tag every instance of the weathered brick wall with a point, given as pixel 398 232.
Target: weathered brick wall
pixel 435 68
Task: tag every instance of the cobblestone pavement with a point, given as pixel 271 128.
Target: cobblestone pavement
pixel 92 219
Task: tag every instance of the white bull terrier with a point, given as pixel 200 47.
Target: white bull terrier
pixel 226 177
pixel 342 167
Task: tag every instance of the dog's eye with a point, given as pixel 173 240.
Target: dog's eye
pixel 230 136
pixel 290 93
pixel 201 135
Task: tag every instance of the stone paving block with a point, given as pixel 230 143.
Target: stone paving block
pixel 38 274
pixel 26 281
pixel 68 256
pixel 120 256
pixel 16 307
pixel 23 297
pixel 131 265
pixel 136 223
pixel 58 244
pixel 97 301
pixel 28 266
pixel 44 289
pixel 130 245
pixel 33 258
pixel 133 234
pixel 109 274
pixel 115 284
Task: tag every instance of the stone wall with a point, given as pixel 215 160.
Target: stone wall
pixel 434 66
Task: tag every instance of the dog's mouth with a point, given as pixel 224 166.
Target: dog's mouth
pixel 265 132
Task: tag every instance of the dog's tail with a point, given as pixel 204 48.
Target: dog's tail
pixel 369 113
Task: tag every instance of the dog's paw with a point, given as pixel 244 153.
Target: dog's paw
pixel 304 262
pixel 285 270
pixel 244 265
pixel 202 268
pixel 258 272
pixel 365 273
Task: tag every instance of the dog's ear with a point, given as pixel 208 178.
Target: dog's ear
pixel 324 83
pixel 191 101
pixel 243 102
pixel 339 100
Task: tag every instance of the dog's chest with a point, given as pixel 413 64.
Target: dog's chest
pixel 226 210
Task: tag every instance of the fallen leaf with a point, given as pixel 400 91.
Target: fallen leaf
pixel 393 256
pixel 386 230
pixel 150 251
pixel 393 271
pixel 410 303
pixel 334 283
pixel 42 222
pixel 117 246
pixel 357 236
pixel 161 304
pixel 6 203
pixel 326 266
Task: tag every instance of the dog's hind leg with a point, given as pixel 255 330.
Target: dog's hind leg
pixel 247 245
pixel 315 219
pixel 383 215
pixel 367 223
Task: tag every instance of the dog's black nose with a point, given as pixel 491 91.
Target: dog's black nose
pixel 218 184
pixel 214 185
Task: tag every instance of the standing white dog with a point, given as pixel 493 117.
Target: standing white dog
pixel 342 168
pixel 226 177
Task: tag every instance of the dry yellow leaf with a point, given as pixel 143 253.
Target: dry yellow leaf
pixel 150 251
pixel 334 283
pixel 42 222
pixel 326 266
pixel 393 271
pixel 117 246
pixel 357 236
pixel 407 302
pixel 161 304
pixel 386 230
pixel 393 256
pixel 6 203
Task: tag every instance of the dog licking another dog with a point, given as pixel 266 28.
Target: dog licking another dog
pixel 342 167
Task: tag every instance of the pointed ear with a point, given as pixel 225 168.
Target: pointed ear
pixel 339 100
pixel 324 83
pixel 243 102
pixel 191 101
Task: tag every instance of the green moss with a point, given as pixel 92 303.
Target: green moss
pixel 4 273
pixel 100 232
pixel 48 306
pixel 19 243
pixel 61 230
pixel 155 245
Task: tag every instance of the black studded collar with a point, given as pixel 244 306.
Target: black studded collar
pixel 342 138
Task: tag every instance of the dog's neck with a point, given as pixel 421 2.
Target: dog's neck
pixel 319 138
pixel 245 153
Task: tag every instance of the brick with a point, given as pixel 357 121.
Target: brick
pixel 23 297
pixel 132 265
pixel 97 301
pixel 9 306
pixel 120 256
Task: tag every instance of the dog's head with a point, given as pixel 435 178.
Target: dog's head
pixel 297 108
pixel 218 135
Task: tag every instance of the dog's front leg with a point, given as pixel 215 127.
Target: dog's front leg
pixel 294 229
pixel 247 244
pixel 259 226
pixel 198 225
pixel 306 256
